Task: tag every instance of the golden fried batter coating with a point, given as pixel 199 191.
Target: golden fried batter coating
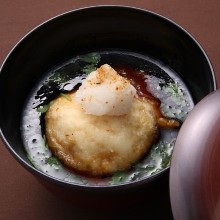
pixel 99 145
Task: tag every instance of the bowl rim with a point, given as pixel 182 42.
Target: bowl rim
pixel 121 186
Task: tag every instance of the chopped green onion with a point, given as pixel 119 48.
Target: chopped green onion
pixel 52 161
pixel 118 177
pixel 66 96
pixel 89 68
pixel 91 58
pixel 44 108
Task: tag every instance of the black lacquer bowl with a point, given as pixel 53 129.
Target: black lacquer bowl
pixel 86 30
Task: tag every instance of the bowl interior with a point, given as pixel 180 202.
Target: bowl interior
pixel 93 29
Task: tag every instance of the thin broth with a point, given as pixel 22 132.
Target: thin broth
pixel 156 80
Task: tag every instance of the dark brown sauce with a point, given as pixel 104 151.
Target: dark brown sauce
pixel 138 80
